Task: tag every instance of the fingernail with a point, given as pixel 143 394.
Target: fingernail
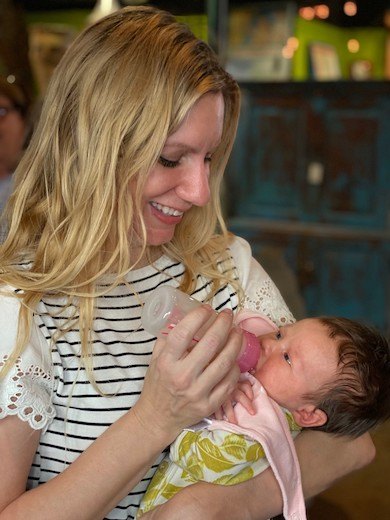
pixel 227 311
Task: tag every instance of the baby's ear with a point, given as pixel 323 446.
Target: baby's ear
pixel 309 416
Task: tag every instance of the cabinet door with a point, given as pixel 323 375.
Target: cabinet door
pixel 318 156
pixel 352 141
pixel 349 279
pixel 265 172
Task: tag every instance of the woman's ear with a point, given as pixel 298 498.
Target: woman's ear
pixel 309 416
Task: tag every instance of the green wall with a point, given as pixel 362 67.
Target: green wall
pixel 372 46
pixel 372 40
pixel 77 19
pixel 74 17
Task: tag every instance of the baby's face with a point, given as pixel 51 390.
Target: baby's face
pixel 296 360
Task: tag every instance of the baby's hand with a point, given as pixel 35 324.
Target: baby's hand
pixel 243 394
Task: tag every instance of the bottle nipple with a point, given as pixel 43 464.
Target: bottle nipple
pixel 249 358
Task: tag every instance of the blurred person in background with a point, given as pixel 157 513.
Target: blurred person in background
pixel 14 107
pixel 14 135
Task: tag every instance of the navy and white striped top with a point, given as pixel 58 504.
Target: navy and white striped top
pixel 54 393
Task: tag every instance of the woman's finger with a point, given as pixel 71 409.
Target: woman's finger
pixel 211 344
pixel 223 388
pixel 226 358
pixel 177 339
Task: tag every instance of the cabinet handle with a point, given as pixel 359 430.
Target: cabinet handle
pixel 315 173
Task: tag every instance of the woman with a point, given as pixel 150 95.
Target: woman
pixel 116 195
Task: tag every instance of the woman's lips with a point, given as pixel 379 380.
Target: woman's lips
pixel 166 214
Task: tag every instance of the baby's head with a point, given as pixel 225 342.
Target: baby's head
pixel 332 373
pixel 359 397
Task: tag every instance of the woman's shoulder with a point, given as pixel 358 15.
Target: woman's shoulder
pixel 239 246
pixel 26 384
pixel 10 306
pixel 9 311
pixel 261 294
pixel 247 267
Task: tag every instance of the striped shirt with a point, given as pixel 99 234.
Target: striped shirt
pixel 54 393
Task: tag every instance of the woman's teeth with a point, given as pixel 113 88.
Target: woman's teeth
pixel 167 210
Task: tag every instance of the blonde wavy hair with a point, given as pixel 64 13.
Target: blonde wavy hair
pixel 121 89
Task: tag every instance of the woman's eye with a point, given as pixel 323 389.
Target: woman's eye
pixel 208 159
pixel 278 335
pixel 167 163
pixel 287 358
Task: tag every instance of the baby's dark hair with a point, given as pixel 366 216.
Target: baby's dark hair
pixel 359 399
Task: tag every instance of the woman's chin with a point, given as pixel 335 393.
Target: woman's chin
pixel 159 237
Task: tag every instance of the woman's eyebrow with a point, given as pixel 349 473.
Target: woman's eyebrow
pixel 179 146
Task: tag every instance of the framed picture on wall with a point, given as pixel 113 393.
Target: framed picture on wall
pixel 47 44
pixel 324 62
pixel 260 41
pixel 361 70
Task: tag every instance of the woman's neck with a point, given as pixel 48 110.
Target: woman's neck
pixel 149 256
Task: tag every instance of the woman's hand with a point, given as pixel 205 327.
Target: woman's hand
pixel 187 382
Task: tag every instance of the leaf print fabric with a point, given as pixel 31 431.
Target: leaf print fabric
pixel 218 457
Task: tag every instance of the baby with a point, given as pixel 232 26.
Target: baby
pixel 330 374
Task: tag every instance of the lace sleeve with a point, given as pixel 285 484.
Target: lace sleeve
pixel 261 294
pixel 26 389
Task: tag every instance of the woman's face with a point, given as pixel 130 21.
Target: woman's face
pixel 180 179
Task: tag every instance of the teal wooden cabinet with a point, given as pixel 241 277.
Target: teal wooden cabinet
pixel 309 177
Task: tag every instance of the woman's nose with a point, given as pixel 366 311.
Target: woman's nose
pixel 194 185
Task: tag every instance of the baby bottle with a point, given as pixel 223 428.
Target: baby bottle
pixel 166 306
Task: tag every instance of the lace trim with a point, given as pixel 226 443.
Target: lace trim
pixel 268 301
pixel 27 395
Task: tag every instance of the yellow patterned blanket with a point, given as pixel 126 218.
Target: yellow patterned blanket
pixel 218 456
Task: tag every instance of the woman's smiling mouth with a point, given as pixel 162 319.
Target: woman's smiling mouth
pixel 166 210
